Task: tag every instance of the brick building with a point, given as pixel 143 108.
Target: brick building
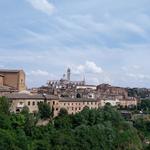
pixel 13 78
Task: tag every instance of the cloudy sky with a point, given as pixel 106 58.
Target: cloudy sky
pixel 107 41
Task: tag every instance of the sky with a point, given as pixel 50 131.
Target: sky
pixel 103 41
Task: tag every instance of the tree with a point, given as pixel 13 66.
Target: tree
pixel 40 145
pixel 5 122
pixel 44 110
pixel 63 112
pixel 17 121
pixel 4 105
pixel 145 105
pixel 7 140
pixel 29 125
pixel 25 110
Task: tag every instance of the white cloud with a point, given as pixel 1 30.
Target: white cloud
pixel 38 73
pixel 42 5
pixel 92 73
pixel 138 76
pixel 88 67
pixel 92 67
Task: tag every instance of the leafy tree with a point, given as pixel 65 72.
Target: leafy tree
pixel 4 105
pixel 63 112
pixel 17 121
pixel 7 140
pixel 21 139
pixel 63 122
pixel 40 145
pixel 25 110
pixel 145 105
pixel 5 122
pixel 44 110
pixel 29 125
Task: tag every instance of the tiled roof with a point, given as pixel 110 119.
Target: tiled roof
pixel 51 97
pixel 7 70
pixel 78 100
pixel 23 96
pixel 29 96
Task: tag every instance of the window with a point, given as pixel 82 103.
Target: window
pixel 72 108
pixel 88 103
pixel 78 96
pixel 21 103
pixel 21 80
pixel 79 108
pixel 56 109
pixel 33 103
pixel 91 103
pixel 53 102
pixel 95 103
pixel 72 103
pixel 64 104
pixel 29 103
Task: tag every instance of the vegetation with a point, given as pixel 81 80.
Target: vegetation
pixel 145 106
pixel 44 110
pixel 96 129
pixel 138 92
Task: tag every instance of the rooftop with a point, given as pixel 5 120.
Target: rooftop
pixel 9 70
pixel 78 100
pixel 29 96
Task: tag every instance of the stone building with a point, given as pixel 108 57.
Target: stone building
pixel 3 88
pixel 130 102
pixel 106 89
pixel 74 105
pixel 20 100
pixel 115 96
pixel 13 78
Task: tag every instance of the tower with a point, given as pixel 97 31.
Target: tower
pixel 68 74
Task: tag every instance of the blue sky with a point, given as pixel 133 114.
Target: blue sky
pixel 107 41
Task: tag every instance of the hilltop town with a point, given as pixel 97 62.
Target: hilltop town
pixel 63 93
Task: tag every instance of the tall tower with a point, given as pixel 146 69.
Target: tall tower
pixel 68 74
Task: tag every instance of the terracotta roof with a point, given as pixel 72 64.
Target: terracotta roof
pixel 49 97
pixel 78 100
pixel 23 96
pixel 9 70
pixel 30 96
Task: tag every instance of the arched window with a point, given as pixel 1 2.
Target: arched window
pixel 78 95
pixel 28 103
pixel 33 103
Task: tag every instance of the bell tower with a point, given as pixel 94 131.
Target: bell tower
pixel 68 74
